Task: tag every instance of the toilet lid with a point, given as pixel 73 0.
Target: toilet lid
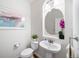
pixel 27 52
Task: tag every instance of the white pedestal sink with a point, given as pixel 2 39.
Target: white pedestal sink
pixel 51 48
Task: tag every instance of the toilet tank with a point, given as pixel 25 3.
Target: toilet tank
pixel 34 45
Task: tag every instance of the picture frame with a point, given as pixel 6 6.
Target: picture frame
pixel 11 22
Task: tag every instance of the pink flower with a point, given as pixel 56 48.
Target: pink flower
pixel 62 23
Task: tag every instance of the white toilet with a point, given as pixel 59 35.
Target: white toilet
pixel 28 53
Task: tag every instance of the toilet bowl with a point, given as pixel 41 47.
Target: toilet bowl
pixel 28 52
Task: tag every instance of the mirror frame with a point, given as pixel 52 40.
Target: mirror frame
pixel 46 8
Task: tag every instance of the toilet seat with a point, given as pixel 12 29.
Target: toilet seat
pixel 27 53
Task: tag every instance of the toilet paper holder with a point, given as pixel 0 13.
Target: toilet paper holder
pixel 17 45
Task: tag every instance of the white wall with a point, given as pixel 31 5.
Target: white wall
pixel 76 26
pixel 76 18
pixel 36 16
pixel 36 24
pixel 9 37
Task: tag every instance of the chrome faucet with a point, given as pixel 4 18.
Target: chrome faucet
pixel 50 41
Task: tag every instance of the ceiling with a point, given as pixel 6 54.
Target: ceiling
pixel 31 1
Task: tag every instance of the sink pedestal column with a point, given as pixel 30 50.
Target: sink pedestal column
pixel 50 55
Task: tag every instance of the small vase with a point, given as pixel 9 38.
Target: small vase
pixel 61 36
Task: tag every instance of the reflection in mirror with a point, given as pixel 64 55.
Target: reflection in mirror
pixel 52 20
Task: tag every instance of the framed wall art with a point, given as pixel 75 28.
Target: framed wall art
pixel 11 22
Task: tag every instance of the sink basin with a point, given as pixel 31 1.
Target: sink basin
pixel 51 47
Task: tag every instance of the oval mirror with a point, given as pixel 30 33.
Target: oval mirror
pixel 52 21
